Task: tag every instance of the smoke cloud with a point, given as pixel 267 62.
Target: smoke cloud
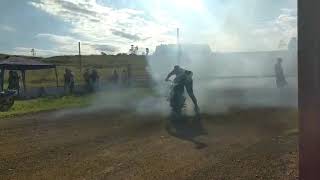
pixel 223 81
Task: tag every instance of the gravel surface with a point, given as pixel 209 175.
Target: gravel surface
pixel 250 144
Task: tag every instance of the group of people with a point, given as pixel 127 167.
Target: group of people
pixel 122 78
pixel 92 79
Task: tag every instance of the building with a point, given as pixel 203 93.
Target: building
pixel 171 50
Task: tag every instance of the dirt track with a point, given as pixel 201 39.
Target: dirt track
pixel 252 144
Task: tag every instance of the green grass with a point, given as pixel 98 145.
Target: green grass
pixel 55 103
pixel 46 78
pixel 45 104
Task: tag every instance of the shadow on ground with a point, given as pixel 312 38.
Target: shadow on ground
pixel 188 129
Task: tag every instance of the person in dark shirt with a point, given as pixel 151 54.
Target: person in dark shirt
pixel 86 77
pixel 14 81
pixel 11 80
pixel 68 81
pixel 124 78
pixel 94 78
pixel 115 77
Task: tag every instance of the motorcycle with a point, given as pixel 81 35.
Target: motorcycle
pixel 177 98
pixel 7 100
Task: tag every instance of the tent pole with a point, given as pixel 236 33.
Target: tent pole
pixel 56 72
pixel 2 79
pixel 24 81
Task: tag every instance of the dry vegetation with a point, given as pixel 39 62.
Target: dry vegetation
pixel 105 64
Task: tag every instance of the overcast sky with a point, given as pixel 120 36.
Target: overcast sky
pixel 53 27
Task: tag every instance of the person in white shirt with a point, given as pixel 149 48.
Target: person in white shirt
pixel 280 78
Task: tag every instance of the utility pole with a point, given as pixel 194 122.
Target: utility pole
pixel 33 52
pixel 80 60
pixel 179 47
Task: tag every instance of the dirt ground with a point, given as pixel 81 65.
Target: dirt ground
pixel 248 144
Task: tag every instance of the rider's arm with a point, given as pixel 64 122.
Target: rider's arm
pixel 170 74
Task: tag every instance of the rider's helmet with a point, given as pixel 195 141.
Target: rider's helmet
pixel 188 72
pixel 176 67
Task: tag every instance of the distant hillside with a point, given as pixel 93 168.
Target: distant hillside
pixel 99 60
pixel 89 60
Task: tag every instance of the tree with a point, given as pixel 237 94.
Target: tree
pixel 133 50
pixel 136 50
pixel 121 54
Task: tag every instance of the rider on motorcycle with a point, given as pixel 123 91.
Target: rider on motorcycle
pixel 185 77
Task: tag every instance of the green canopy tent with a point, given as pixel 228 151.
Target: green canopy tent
pixel 23 64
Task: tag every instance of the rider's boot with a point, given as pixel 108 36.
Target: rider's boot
pixel 197 110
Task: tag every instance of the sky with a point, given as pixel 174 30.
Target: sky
pixel 54 27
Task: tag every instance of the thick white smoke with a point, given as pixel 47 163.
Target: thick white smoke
pixel 230 80
pixel 221 82
pixel 136 100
